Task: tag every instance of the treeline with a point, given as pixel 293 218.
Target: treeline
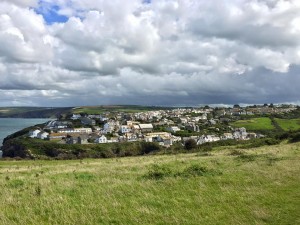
pixel 40 149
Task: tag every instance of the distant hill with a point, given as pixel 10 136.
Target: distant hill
pixel 52 112
pixel 33 112
pixel 116 108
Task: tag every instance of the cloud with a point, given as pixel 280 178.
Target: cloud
pixel 23 3
pixel 164 52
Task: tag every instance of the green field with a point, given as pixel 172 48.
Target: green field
pixel 288 124
pixel 261 123
pixel 257 186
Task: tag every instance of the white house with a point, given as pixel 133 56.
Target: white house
pixel 124 129
pixel 42 135
pixel 101 139
pixel 76 130
pixel 33 133
pixel 75 116
pixel 110 126
pixel 164 140
pixel 113 140
pixel 207 138
pixel 147 127
pixel 240 133
pixel 183 120
pixel 212 122
pixel 83 130
pixel 173 129
pixel 66 130
pixel 227 136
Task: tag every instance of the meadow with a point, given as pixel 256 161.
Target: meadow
pixel 288 124
pixel 255 124
pixel 225 186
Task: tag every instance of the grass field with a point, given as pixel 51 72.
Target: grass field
pixel 288 124
pixel 258 186
pixel 261 123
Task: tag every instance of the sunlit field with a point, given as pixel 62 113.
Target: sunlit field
pixel 260 123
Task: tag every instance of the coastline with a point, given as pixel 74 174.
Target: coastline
pixel 9 126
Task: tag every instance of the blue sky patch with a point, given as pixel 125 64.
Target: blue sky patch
pixel 50 13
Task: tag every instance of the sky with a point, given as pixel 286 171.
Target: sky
pixel 149 52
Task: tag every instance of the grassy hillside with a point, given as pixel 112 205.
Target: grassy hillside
pixel 260 123
pixel 257 186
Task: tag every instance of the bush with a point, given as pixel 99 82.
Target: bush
pixel 295 138
pixel 190 144
pixel 236 152
pixel 148 147
pixel 195 170
pixel 206 147
pixel 158 172
pixel 107 153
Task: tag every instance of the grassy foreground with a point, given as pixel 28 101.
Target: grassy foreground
pixel 257 186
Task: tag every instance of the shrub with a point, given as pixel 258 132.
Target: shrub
pixel 236 152
pixel 107 153
pixel 206 147
pixel 190 144
pixel 295 138
pixel 148 147
pixel 195 170
pixel 157 172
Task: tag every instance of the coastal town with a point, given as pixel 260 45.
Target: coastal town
pixel 202 124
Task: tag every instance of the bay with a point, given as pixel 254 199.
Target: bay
pixel 12 125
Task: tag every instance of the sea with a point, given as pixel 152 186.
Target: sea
pixel 12 125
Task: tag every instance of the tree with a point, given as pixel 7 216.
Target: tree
pixel 190 144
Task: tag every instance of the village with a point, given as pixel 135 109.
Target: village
pixel 204 124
